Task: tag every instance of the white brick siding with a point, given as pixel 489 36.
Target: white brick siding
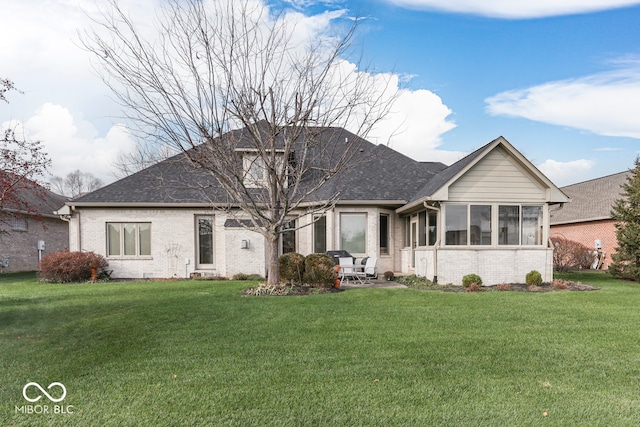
pixel 173 243
pixel 494 266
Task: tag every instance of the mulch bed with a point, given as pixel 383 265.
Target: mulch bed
pixel 288 290
pixel 546 287
pixel 295 290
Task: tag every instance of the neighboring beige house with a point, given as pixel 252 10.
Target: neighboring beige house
pixel 587 219
pixel 486 214
pixel 27 235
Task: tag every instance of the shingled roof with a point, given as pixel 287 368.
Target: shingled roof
pixel 33 199
pixel 590 200
pixel 379 173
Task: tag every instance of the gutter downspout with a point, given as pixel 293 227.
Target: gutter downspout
pixel 78 236
pixel 436 246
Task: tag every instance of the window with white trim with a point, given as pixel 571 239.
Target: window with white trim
pixel 320 235
pixel 204 243
pixel 353 232
pixel 288 237
pixel 383 228
pixel 532 225
pixel 493 224
pixel 128 239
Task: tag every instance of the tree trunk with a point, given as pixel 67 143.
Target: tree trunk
pixel 272 259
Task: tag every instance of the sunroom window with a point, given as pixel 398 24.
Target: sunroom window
pixel 480 219
pixel 485 225
pixel 456 225
pixel 508 225
pixel 531 225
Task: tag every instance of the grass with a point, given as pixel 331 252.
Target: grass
pixel 200 353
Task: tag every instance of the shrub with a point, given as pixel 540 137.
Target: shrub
pixel 291 266
pixel 469 279
pixel 503 287
pixel 65 266
pixel 474 287
pixel 560 284
pixel 319 269
pixel 414 281
pixel 533 278
pixel 570 255
pixel 252 277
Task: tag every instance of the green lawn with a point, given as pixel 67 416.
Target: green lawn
pixel 195 353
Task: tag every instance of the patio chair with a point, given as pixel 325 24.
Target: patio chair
pixel 370 268
pixel 369 271
pixel 347 269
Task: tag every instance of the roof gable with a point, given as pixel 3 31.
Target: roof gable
pixel 438 188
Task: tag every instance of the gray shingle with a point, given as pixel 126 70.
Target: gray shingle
pixel 590 200
pixel 378 173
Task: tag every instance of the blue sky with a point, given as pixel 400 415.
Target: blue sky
pixel 560 79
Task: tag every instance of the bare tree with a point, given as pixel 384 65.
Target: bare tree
pixel 228 64
pixel 144 155
pixel 22 164
pixel 75 183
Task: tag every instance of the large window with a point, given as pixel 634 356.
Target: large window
pixel 485 225
pixel 320 235
pixel 480 221
pixel 205 241
pixel 128 239
pixel 384 234
pixel 456 225
pixel 509 225
pixel 353 232
pixel 531 225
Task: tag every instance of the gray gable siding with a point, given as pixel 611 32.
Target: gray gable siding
pixel 497 178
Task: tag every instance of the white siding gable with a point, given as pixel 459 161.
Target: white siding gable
pixel 498 177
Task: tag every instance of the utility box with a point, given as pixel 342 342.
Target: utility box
pixel 41 245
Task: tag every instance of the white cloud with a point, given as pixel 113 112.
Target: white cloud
pixel 516 9
pixel 69 108
pixel 608 149
pixel 605 104
pixel 415 125
pixel 565 173
pixel 73 143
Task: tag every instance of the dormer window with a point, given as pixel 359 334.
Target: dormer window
pixel 255 171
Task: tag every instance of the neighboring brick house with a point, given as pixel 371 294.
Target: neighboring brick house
pixel 587 219
pixel 21 230
pixel 486 214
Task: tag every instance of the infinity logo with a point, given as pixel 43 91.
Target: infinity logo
pixel 64 392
